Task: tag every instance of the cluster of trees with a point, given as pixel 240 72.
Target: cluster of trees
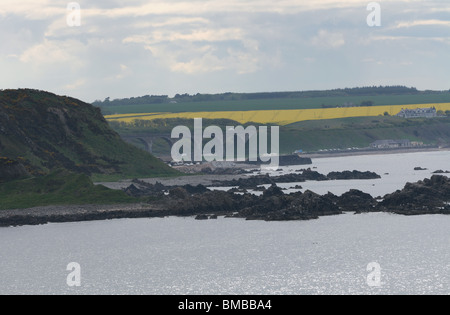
pixel 182 98
pixel 143 100
pixel 305 94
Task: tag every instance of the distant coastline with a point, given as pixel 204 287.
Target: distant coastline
pixel 429 196
pixel 331 154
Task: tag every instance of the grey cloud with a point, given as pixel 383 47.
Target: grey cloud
pixel 126 48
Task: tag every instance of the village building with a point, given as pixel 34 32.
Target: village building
pixel 391 144
pixel 418 113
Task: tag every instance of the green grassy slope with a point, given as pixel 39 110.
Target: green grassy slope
pixel 47 132
pixel 58 188
pixel 361 131
pixel 319 134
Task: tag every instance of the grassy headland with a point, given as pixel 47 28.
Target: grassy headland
pixel 44 132
pixel 57 188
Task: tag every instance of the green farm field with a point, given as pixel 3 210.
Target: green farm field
pixel 276 104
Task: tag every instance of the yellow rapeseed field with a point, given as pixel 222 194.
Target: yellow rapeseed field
pixel 281 117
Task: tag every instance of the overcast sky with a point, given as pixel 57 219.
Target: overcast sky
pixel 136 47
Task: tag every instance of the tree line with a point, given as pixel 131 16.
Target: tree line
pixel 184 98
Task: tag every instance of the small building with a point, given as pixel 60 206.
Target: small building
pixel 391 144
pixel 418 113
pixel 417 143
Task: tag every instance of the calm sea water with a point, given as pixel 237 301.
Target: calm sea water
pixel 233 256
pixel 230 256
pixel 395 169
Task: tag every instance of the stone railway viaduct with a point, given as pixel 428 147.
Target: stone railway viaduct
pixel 148 139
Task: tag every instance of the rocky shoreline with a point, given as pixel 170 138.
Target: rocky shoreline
pixel 300 177
pixel 80 213
pixel 430 196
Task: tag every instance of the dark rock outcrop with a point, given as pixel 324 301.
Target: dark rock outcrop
pixel 307 174
pixel 430 196
pixel 247 183
pixel 273 191
pixel 294 160
pixel 217 202
pixel 303 176
pixel 287 160
pixel 297 206
pixel 424 197
pixel 356 201
pixel 178 193
pixel 255 181
pixel 140 188
pixel 259 188
pixel 199 189
pixel 347 175
pixel 202 217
